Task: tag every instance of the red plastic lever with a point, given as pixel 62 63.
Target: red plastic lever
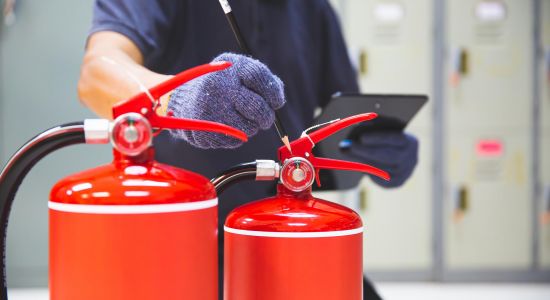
pixel 187 75
pixel 144 105
pixel 190 124
pixel 336 164
pixel 332 128
pixel 303 147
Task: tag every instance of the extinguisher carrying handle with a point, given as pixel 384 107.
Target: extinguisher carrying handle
pixel 303 147
pixel 235 174
pixel 336 164
pixel 17 168
pixel 147 102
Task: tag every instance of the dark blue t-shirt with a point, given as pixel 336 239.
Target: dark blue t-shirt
pixel 300 41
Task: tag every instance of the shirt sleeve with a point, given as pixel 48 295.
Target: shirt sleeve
pixel 339 74
pixel 146 22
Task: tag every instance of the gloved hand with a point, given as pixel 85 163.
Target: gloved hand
pixel 244 96
pixel 392 151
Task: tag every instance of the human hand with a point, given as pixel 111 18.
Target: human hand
pixel 244 96
pixel 392 151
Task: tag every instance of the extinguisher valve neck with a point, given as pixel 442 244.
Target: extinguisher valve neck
pixel 267 170
pixel 96 131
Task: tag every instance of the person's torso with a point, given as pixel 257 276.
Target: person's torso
pixel 285 35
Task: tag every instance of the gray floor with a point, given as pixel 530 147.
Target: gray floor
pixel 433 291
pixel 409 291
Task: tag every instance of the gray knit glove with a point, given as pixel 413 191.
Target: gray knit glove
pixel 244 96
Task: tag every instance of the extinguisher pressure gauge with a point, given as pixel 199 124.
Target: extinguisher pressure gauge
pixel 297 174
pixel 131 134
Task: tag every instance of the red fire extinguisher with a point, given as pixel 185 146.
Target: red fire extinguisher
pixel 134 228
pixel 292 245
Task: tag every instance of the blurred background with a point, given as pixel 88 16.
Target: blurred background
pixel 477 208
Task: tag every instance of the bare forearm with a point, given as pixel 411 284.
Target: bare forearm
pixel 111 74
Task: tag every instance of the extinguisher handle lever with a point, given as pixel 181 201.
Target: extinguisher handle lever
pixel 147 102
pixel 190 124
pixel 336 164
pixel 187 75
pixel 303 147
pixel 338 125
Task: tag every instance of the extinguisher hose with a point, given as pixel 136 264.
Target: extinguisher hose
pixel 20 164
pixel 235 174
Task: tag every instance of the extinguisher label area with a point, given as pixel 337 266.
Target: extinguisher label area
pixel 132 209
pixel 138 252
pixel 307 268
pixel 294 234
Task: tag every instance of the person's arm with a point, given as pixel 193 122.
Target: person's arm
pixel 110 72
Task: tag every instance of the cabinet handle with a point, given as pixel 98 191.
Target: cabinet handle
pixel 545 214
pixel 363 62
pixel 363 199
pixel 547 64
pixel 461 203
pixel 460 65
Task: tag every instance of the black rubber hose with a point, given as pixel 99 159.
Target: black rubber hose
pixel 20 164
pixel 238 173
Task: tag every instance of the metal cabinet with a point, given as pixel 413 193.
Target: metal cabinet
pixel 481 147
pixel 488 136
pixel 543 61
pixel 390 43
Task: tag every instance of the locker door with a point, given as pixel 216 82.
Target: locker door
pixel 488 138
pixel 337 6
pixel 544 167
pixel 391 44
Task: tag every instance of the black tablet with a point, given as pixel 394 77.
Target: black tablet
pixel 395 111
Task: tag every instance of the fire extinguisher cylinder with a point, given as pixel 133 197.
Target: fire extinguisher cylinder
pixel 134 228
pixel 293 245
